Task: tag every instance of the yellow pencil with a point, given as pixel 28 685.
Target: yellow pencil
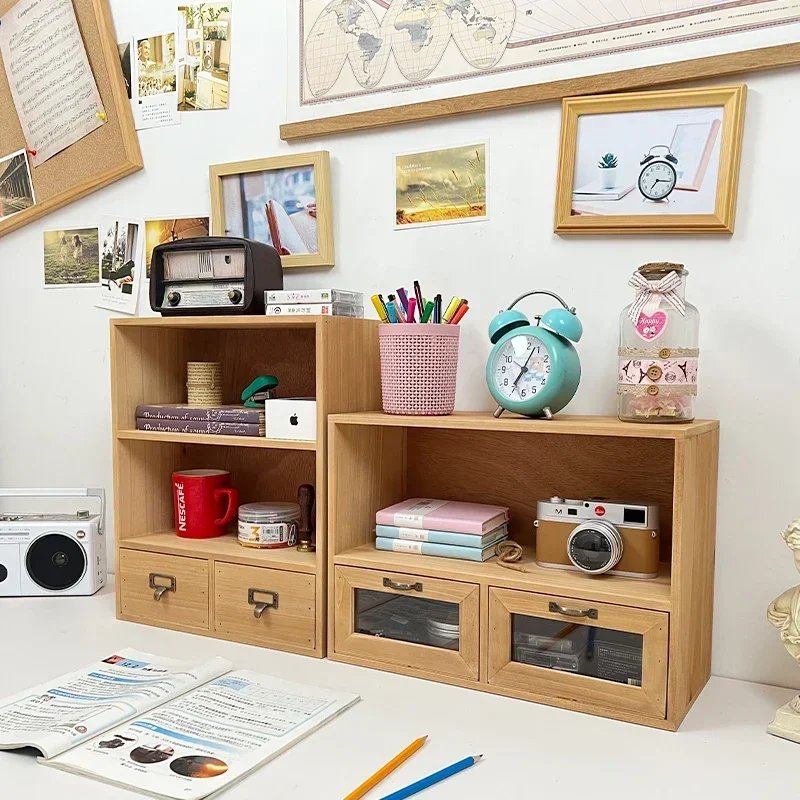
pixel 370 783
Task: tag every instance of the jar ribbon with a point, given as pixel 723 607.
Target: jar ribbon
pixel 649 295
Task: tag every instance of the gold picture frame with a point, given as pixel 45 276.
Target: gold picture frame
pixel 585 208
pixel 234 213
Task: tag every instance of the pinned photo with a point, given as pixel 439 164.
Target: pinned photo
pixel 204 35
pixel 16 185
pixel 72 257
pixel 121 263
pixel 155 82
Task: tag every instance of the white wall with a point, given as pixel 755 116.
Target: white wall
pixel 54 373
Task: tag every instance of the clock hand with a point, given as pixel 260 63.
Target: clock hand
pixel 524 369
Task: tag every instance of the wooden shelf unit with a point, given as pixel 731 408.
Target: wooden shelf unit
pixel 377 459
pixel 332 359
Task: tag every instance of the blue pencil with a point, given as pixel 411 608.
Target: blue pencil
pixel 437 777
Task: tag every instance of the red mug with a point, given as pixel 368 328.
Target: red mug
pixel 204 503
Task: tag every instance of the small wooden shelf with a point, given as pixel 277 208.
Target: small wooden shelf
pixel 224 548
pixel 511 423
pixel 653 594
pixel 225 441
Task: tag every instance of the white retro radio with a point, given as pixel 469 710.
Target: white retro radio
pixel 52 554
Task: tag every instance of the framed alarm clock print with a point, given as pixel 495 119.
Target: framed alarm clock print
pixel 650 162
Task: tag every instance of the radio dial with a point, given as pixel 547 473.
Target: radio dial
pixel 173 298
pixel 235 296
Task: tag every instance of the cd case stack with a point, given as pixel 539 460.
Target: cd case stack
pixel 310 302
pixel 448 529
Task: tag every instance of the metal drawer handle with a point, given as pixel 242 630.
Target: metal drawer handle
pixel 402 587
pixel 591 613
pixel 160 589
pixel 261 607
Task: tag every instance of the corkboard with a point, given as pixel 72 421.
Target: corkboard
pixel 107 154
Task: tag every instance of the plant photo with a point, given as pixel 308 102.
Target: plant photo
pixel 72 257
pixel 441 186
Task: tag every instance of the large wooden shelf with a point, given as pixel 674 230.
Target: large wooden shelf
pixel 219 441
pixel 224 548
pixel 654 594
pixel 511 423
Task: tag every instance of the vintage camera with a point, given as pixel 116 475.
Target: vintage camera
pixel 595 537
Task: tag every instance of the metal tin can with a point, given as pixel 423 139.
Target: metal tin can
pixel 269 526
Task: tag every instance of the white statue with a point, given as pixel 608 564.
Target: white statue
pixel 784 614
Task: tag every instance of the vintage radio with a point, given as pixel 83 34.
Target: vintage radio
pixel 52 554
pixel 213 275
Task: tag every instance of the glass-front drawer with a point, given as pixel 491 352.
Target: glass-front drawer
pixel 595 653
pixel 406 620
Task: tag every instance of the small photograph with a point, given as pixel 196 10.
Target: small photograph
pixel 113 659
pixel 16 186
pixel 156 68
pixel 72 257
pixel 125 60
pixel 441 186
pixel 651 161
pixel 121 263
pixel 152 754
pixel 115 741
pixel 278 207
pixel 161 231
pixel 205 37
pixel 198 767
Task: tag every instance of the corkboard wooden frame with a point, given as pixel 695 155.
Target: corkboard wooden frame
pixel 629 80
pixel 79 167
pixel 320 160
pixel 730 98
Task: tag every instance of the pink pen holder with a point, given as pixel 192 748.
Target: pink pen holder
pixel 419 366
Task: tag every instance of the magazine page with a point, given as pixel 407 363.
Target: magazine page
pixel 73 708
pixel 208 739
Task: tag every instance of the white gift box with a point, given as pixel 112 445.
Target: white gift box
pixel 291 418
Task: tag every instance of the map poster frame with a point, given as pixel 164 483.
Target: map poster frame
pixel 352 69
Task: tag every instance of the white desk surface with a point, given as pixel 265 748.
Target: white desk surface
pixel 722 749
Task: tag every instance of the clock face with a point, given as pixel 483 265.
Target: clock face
pixel 521 367
pixel 657 180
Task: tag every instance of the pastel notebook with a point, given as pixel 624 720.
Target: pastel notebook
pixel 441 550
pixel 443 515
pixel 443 537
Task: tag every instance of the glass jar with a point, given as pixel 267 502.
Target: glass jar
pixel 269 526
pixel 658 348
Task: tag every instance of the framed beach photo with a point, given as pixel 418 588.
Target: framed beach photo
pixel 283 201
pixel 650 161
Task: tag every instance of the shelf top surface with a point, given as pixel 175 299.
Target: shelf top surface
pixel 560 424
pixel 235 322
pixel 215 439
pixel 653 593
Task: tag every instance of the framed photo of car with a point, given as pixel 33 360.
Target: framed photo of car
pixel 283 201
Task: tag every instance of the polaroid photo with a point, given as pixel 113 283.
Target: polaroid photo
pixel 121 263
pixel 71 257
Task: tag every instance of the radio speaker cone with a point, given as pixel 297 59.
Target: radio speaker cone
pixel 55 562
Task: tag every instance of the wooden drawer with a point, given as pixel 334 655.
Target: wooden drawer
pixel 593 654
pixel 185 602
pixel 409 621
pixel 288 618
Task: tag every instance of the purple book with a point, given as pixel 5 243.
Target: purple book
pixel 199 426
pixel 251 416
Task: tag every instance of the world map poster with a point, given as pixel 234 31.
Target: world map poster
pixel 351 49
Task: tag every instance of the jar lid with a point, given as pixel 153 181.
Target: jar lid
pixel 269 512
pixel 656 270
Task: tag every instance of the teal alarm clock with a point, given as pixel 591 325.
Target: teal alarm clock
pixel 534 370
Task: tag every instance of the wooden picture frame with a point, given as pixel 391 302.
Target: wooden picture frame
pixel 106 155
pixel 276 219
pixel 714 212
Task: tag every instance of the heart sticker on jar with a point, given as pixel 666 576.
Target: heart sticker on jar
pixel 650 327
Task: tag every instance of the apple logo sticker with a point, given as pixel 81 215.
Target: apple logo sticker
pixel 293 420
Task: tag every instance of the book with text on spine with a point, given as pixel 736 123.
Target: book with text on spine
pixel 181 412
pixel 443 537
pixel 196 426
pixel 441 550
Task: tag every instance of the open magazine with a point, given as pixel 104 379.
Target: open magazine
pixel 166 728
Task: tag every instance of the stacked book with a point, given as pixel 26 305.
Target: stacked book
pixel 309 302
pixel 443 528
pixel 212 420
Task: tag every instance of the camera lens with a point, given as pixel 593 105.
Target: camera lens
pixel 595 547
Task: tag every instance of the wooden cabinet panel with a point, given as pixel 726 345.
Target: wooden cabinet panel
pixel 591 671
pixel 406 620
pixel 288 617
pixel 184 603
